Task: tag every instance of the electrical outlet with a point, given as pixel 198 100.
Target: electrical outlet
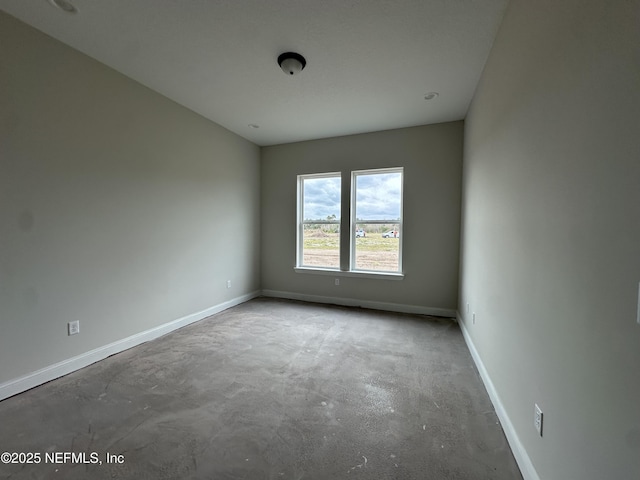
pixel 638 314
pixel 537 420
pixel 73 328
pixel 337 282
pixel 228 283
pixel 474 318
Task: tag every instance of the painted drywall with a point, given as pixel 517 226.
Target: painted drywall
pixel 431 157
pixel 550 251
pixel 118 207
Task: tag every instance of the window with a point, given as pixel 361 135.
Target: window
pixel 373 231
pixel 319 220
pixel 376 210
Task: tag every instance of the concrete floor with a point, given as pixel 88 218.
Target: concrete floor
pixel 271 389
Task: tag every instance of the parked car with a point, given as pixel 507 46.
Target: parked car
pixel 391 234
pixel 360 233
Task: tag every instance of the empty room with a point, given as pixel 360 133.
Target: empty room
pixel 313 240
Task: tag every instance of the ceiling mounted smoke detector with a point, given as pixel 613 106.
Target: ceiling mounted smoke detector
pixel 291 63
pixel 64 5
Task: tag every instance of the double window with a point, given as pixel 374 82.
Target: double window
pixel 369 228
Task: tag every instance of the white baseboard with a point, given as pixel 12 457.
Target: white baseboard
pixel 522 458
pixel 353 302
pixel 51 372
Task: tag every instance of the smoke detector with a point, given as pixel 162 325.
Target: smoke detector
pixel 64 5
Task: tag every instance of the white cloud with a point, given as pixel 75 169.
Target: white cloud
pixel 378 197
pixel 321 198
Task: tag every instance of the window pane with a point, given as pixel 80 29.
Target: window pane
pixel 377 247
pixel 319 227
pixel 321 198
pixel 377 220
pixel 321 245
pixel 378 196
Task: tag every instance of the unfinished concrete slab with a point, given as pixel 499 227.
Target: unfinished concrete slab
pixel 270 389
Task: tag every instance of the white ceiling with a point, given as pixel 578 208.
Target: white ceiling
pixel 369 62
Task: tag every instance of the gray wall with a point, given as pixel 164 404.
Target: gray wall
pixel 431 157
pixel 118 207
pixel 551 239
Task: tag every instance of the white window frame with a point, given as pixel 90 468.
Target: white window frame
pixel 354 222
pixel 301 221
pixel 347 180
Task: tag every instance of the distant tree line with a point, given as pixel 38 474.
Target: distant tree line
pixel 335 227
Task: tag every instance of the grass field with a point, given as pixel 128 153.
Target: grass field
pixel 372 252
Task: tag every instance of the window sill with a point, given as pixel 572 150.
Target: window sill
pixel 341 273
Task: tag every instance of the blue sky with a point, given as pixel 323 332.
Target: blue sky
pixel 378 197
pixel 321 198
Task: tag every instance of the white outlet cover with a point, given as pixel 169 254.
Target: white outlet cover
pixel 638 313
pixel 537 420
pixel 73 328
